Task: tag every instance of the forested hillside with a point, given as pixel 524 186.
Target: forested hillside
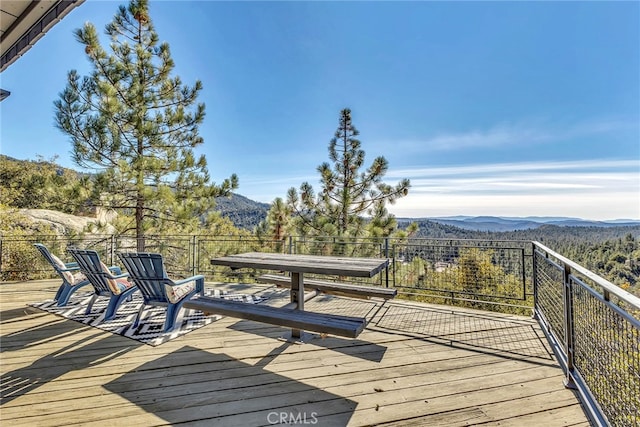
pixel 613 252
pixel 558 238
pixel 244 213
pixel 42 184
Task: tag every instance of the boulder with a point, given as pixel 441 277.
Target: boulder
pixel 62 223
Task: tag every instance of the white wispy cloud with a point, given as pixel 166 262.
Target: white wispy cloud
pixel 509 134
pixel 525 177
pixel 494 137
pixel 500 168
pixel 591 189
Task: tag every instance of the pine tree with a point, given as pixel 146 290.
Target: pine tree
pixel 276 226
pixel 136 125
pixel 348 195
pixel 42 184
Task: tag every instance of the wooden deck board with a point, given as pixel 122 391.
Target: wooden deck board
pixel 422 365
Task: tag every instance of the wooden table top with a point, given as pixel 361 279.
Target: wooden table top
pixel 320 264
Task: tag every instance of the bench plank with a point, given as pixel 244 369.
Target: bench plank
pixel 334 288
pixel 332 324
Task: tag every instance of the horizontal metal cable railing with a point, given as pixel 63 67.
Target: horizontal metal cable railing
pixel 595 328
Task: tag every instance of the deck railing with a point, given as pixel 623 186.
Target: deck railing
pixel 484 274
pixel 595 329
pixel 592 324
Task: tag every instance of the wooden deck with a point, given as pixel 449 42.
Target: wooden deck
pixel 415 365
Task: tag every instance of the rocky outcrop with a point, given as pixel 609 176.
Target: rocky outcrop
pixel 63 223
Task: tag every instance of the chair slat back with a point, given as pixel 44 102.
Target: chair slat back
pixel 89 263
pixel 148 273
pixel 47 255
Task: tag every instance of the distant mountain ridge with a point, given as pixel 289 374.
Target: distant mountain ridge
pixel 243 212
pixel 246 213
pixel 496 223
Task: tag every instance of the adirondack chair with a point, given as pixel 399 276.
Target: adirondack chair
pixel 107 281
pixel 148 273
pixel 72 277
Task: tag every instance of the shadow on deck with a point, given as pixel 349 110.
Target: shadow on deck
pixel 415 364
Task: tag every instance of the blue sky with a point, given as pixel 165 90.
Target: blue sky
pixel 489 108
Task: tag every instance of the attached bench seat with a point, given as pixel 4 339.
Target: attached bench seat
pixel 333 288
pixel 332 324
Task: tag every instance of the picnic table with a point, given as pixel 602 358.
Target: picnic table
pixel 294 315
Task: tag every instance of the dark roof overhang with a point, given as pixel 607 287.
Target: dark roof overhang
pixel 24 22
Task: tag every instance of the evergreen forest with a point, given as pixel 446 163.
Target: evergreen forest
pixel 612 252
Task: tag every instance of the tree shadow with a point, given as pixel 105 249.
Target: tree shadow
pixel 18 314
pixel 509 337
pixel 78 355
pixel 322 304
pixel 348 346
pixel 217 389
pixel 39 334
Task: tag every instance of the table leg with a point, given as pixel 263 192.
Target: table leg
pixel 297 297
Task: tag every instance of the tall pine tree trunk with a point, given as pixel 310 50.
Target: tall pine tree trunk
pixel 139 230
pixel 140 201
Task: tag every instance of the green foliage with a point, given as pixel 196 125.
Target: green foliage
pixel 616 259
pixel 278 223
pixel 43 184
pixel 611 252
pixel 348 194
pixel 138 126
pixel 19 257
pixel 243 212
pixel 480 278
